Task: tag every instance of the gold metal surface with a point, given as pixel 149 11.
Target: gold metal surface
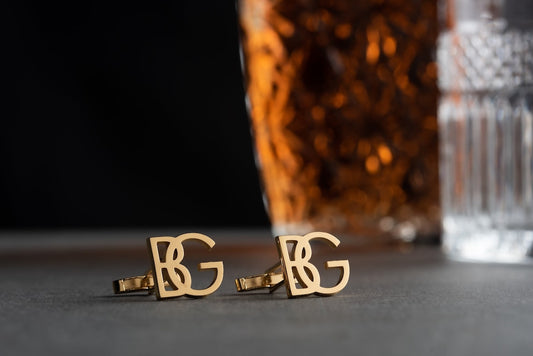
pixel 298 270
pixel 269 279
pixel 299 275
pixel 172 279
pixel 134 284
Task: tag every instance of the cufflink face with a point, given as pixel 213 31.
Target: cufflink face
pixel 300 275
pixel 173 279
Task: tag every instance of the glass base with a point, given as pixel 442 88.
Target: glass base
pixel 369 232
pixel 291 229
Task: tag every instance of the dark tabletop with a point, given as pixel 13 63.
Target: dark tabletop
pixel 56 298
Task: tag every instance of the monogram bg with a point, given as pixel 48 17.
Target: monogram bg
pixel 300 276
pixel 171 278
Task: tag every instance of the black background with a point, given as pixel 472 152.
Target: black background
pixel 125 114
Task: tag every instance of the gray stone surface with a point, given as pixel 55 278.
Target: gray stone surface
pixel 60 301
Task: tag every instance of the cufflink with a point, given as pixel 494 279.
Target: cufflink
pixel 295 271
pixel 169 278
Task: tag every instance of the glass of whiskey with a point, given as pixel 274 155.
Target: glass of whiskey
pixel 342 96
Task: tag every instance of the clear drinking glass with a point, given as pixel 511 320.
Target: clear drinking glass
pixel 485 59
pixel 342 99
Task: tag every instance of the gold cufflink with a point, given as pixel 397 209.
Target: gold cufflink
pixel 168 278
pixel 295 270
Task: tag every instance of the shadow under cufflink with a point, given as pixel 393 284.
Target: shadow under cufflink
pixel 168 278
pixel 295 270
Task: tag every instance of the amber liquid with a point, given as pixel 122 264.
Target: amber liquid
pixel 342 98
